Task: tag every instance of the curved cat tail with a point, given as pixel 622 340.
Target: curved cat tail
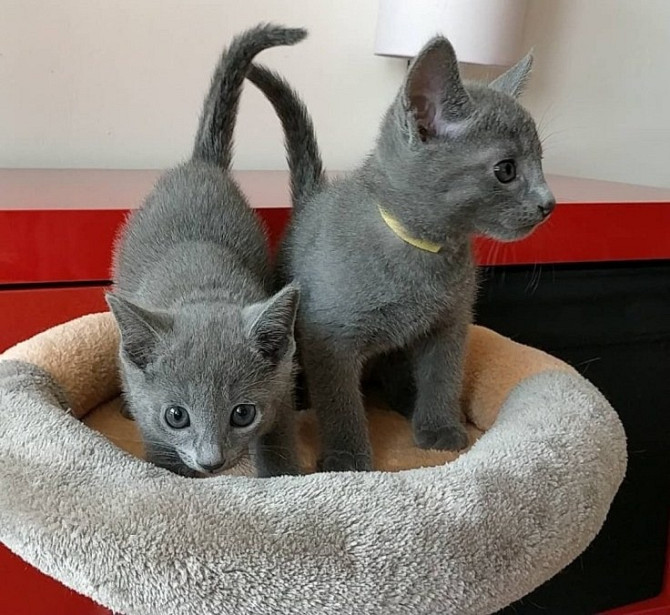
pixel 214 140
pixel 302 149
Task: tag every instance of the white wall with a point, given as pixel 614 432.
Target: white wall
pixel 103 83
pixel 601 91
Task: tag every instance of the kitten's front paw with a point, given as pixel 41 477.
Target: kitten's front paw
pixel 344 461
pixel 448 437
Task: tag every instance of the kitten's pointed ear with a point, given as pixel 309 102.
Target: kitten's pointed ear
pixel 513 81
pixel 140 329
pixel 271 322
pixel 433 90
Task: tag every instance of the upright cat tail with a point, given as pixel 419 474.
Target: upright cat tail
pixel 214 139
pixel 302 149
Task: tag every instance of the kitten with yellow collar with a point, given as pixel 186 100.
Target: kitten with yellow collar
pixel 383 256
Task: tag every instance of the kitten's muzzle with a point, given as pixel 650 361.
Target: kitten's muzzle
pixel 547 207
pixel 211 468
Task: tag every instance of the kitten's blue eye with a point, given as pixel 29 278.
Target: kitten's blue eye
pixel 177 417
pixel 505 171
pixel 243 415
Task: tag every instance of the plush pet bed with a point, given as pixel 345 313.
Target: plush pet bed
pixel 448 535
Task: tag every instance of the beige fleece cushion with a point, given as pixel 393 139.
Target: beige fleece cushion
pixel 81 355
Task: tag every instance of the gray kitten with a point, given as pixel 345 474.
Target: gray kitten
pixel 206 354
pixel 383 256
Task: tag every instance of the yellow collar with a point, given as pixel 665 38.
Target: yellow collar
pixel 401 232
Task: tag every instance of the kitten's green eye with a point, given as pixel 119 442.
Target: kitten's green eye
pixel 505 171
pixel 177 417
pixel 243 415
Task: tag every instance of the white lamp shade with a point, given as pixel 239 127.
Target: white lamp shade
pixel 481 31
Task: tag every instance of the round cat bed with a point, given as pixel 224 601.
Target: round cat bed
pixel 432 533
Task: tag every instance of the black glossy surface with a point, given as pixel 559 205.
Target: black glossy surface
pixel 611 322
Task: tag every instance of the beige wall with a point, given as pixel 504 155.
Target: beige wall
pixel 119 83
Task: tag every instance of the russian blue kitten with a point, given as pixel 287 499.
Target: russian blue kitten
pixel 383 256
pixel 206 354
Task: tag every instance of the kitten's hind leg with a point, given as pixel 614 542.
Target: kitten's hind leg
pixel 438 373
pixel 388 379
pixel 275 453
pixel 333 379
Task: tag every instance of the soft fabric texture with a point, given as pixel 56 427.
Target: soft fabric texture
pixel 467 537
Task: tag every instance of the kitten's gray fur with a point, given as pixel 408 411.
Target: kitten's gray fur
pixel 191 298
pixel 366 293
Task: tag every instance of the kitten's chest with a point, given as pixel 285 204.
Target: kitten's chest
pixel 412 298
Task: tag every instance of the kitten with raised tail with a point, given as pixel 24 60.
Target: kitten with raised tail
pixel 383 256
pixel 206 352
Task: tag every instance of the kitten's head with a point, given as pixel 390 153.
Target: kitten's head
pixel 463 158
pixel 203 384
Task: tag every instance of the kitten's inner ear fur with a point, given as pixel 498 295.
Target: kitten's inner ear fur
pixel 271 322
pixel 433 91
pixel 513 81
pixel 140 329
